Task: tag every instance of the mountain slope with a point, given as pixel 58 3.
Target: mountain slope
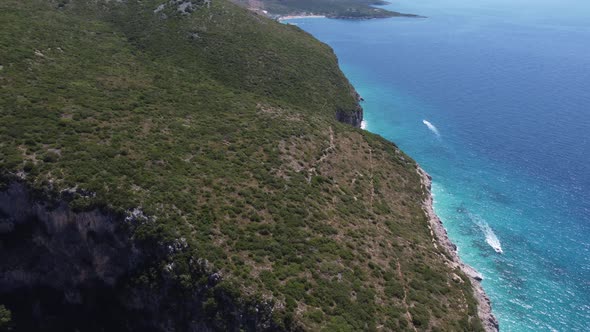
pixel 182 161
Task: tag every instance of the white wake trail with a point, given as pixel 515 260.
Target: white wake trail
pixel 491 237
pixel 431 127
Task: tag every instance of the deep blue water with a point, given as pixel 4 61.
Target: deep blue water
pixel 507 86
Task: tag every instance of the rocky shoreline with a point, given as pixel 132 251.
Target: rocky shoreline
pixel 437 230
pixel 439 233
pixel 292 16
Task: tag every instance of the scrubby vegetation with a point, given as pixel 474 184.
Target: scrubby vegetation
pixel 220 124
pixel 5 318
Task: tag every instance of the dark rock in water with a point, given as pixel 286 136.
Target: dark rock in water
pixel 62 270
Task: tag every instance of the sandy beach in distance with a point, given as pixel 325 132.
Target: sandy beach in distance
pixel 291 17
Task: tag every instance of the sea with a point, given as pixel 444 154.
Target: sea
pixel 492 98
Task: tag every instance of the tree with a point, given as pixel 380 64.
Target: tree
pixel 5 318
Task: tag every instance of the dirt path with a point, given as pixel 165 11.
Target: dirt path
pixel 325 154
pixel 372 197
pixel 408 314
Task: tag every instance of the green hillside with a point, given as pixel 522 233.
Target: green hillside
pixel 219 125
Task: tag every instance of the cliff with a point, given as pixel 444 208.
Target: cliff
pixel 182 161
pixel 353 118
pixel 90 271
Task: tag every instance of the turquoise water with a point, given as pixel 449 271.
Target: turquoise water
pixel 492 98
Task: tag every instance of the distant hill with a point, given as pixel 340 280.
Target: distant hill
pixel 350 9
pixel 193 166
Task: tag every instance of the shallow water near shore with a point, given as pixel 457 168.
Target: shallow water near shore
pixel 491 98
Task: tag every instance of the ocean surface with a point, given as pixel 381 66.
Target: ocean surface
pixel 492 98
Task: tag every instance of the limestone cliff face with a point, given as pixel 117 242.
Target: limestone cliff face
pixel 351 117
pixel 68 249
pixel 65 270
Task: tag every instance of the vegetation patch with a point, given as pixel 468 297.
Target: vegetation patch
pixel 219 124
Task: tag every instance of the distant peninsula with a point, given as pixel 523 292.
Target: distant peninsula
pixel 345 9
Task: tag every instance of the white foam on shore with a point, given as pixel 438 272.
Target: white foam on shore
pixel 431 127
pixel 491 237
pixel 364 124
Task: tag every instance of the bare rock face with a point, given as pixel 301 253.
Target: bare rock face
pixel 62 270
pixel 69 249
pixel 351 117
pixel 54 260
pixel 184 7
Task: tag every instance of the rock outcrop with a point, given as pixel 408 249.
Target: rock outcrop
pixel 65 270
pixel 351 117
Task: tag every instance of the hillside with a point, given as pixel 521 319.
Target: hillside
pixel 349 9
pixel 179 166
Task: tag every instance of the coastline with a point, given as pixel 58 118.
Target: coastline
pixel 437 230
pixel 281 18
pixel 292 17
pixel 439 233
